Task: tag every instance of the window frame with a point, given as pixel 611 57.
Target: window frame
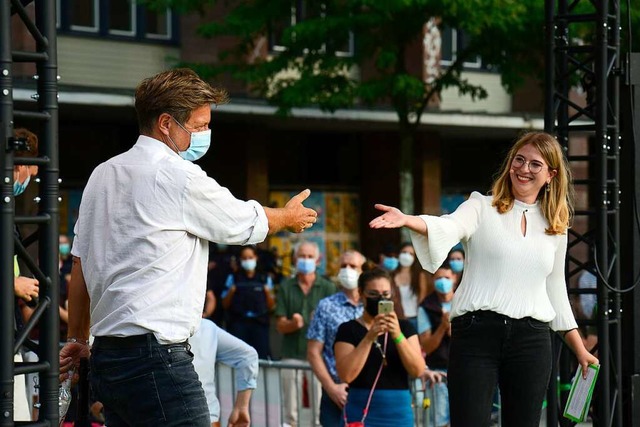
pixel 139 15
pixel 133 6
pixel 297 8
pixel 454 47
pixel 96 20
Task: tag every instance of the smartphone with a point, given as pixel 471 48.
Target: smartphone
pixel 385 306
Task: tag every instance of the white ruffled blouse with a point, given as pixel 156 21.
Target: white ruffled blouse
pixel 505 271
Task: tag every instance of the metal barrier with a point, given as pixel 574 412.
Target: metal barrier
pixel 267 409
pixel 267 406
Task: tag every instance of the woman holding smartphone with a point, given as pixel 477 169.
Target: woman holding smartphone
pixel 376 354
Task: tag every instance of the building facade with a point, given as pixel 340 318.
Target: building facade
pixel 349 159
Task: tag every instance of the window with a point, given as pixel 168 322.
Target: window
pixel 340 45
pixel 454 41
pixel 83 15
pixel 158 25
pixel 116 19
pixel 122 17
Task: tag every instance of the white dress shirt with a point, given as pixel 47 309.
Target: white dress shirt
pixel 505 271
pixel 210 345
pixel 142 234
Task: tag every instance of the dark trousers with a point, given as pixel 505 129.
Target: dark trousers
pixel 253 332
pixel 488 349
pixel 143 383
pixel 331 415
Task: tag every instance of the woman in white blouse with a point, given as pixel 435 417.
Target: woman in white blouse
pixel 513 289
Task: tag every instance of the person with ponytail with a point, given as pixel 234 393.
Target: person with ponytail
pixel 513 290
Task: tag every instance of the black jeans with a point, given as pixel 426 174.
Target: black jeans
pixel 143 383
pixel 488 349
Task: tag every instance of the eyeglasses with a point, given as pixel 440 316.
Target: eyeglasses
pixel 534 165
pixel 373 294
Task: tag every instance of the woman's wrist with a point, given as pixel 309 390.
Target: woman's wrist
pixel 398 339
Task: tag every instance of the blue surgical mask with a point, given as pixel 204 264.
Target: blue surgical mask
pixel 249 264
pixel 306 265
pixel 443 285
pixel 446 307
pixel 456 265
pixel 64 248
pixel 18 187
pixel 390 263
pixel 198 146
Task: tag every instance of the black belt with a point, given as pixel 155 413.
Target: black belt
pixel 487 314
pixel 132 341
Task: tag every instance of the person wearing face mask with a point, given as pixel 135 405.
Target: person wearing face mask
pixel 434 332
pixel 338 308
pixel 25 289
pixel 514 289
pixel 410 282
pixel 456 261
pixel 296 300
pixel 376 355
pixel 388 258
pixel 248 301
pixel 140 254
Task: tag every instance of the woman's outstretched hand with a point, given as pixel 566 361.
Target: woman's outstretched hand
pixel 391 217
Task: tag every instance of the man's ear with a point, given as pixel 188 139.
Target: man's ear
pixel 19 171
pixel 163 123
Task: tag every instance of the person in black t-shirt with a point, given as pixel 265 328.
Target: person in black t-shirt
pixel 379 352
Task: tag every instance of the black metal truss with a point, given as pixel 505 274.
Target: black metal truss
pixel 583 51
pixel 45 267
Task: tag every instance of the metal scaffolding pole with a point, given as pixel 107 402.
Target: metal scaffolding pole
pixel 593 65
pixel 45 267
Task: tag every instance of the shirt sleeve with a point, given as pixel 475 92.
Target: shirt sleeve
pixel 345 334
pixel 316 330
pixel 444 232
pixel 557 291
pixel 211 212
pixel 407 328
pixel 239 355
pixel 227 285
pixel 424 324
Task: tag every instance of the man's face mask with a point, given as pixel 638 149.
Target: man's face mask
pixel 306 265
pixel 198 145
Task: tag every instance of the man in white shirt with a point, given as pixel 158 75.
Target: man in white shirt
pixel 141 251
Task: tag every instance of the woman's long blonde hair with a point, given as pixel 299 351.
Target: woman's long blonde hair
pixel 557 203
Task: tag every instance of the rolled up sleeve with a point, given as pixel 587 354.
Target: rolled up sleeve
pixel 211 212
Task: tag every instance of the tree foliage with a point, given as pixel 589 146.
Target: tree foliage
pixel 308 70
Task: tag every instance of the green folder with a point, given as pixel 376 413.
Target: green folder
pixel 581 393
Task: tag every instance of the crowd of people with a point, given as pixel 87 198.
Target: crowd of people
pixel 164 278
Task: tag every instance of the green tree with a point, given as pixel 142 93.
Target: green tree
pixel 379 35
